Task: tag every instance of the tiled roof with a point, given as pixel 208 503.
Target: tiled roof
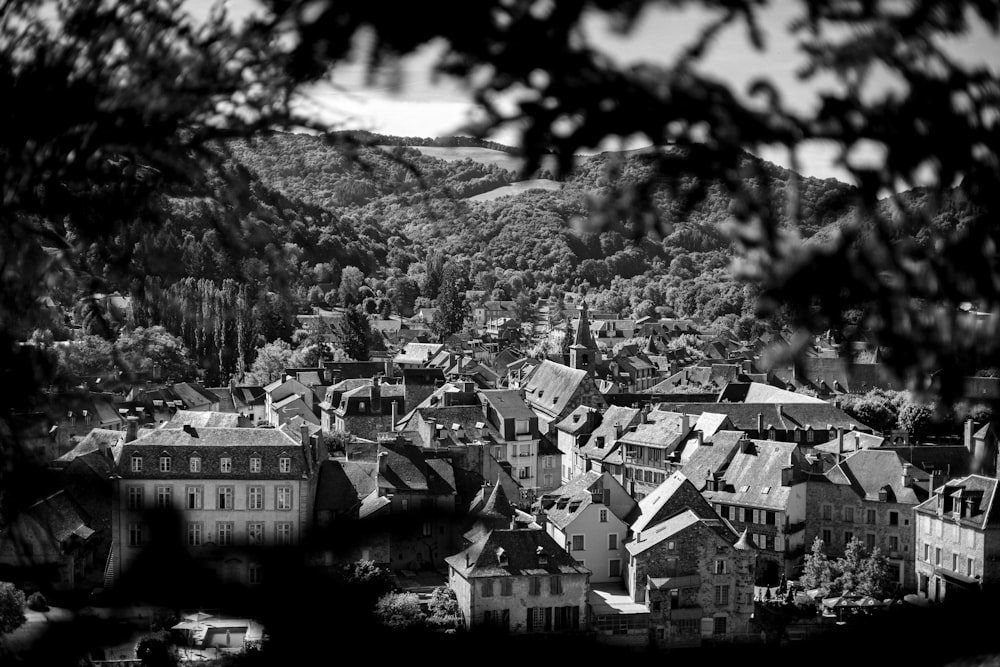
pixel 614 416
pixel 665 432
pixel 576 421
pixel 753 477
pixel 792 416
pixel 869 471
pixel 98 440
pixel 520 547
pixel 551 386
pixel 674 526
pixel 982 492
pixel 193 394
pixel 417 353
pixel 674 494
pixel 225 398
pixel 712 456
pixel 202 419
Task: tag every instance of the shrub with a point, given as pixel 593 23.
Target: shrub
pixel 37 602
pixel 155 650
pixel 399 610
pixel 11 607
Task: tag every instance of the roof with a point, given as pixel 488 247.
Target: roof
pixel 979 490
pixel 713 455
pixel 613 417
pixel 758 392
pixel 194 394
pixel 417 353
pixel 551 386
pixel 666 431
pixel 98 440
pixel 61 516
pixel 781 417
pixel 837 375
pixel 521 549
pixel 673 526
pixel 753 477
pixel 497 506
pixel 577 421
pixel 853 441
pixel 582 335
pixel 508 403
pixel 202 419
pixel 710 423
pixel 674 494
pixel 571 499
pixel 342 485
pixel 870 471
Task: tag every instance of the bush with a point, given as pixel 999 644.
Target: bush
pixel 11 608
pixel 37 602
pixel 155 650
pixel 399 610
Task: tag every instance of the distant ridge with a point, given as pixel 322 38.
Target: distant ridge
pixel 456 141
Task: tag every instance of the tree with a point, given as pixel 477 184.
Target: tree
pixel 915 418
pixel 874 576
pixel 86 355
pixel 355 334
pixel 143 350
pixel 271 361
pixel 351 281
pixel 443 607
pixel 155 650
pixel 399 611
pixel 11 608
pixel 523 308
pixel 848 568
pixel 452 306
pixel 817 571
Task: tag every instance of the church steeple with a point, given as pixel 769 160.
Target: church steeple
pixel 583 352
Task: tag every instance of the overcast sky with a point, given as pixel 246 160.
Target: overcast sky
pixel 423 108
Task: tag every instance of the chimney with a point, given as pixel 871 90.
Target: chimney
pixel 513 522
pixel 685 424
pixel 701 437
pixel 781 411
pixel 969 445
pixel 857 441
pixel 840 445
pixel 395 415
pixel 760 424
pixel 540 517
pixel 383 462
pixel 907 474
pixel 619 428
pixel 304 433
pixel 746 446
pixel 131 428
pixel 190 430
pixel 787 476
pixel 376 395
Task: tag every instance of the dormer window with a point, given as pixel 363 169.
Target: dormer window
pixel 137 463
pixel 543 558
pixel 225 464
pixel 361 405
pixel 284 464
pixel 164 464
pixel 502 559
pixel 195 464
pixel 254 464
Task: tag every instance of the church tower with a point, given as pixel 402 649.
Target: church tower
pixel 583 353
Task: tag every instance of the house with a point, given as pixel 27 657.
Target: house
pixel 571 433
pixel 958 539
pixel 830 377
pixel 195 397
pixel 760 392
pixel 52 542
pixel 869 495
pixel 518 425
pixel 237 490
pixel 202 419
pixel 553 391
pixel 590 518
pixel 417 355
pixel 286 397
pixel 364 410
pixel 761 487
pixel 601 450
pixel 690 569
pixel 520 581
pixel 250 403
pixel 650 446
pixel 493 310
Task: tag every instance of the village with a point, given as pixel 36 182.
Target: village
pixel 616 491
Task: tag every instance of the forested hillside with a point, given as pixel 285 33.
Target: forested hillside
pixel 317 225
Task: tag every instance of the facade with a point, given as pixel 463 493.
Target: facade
pixel 590 518
pixel 649 449
pixel 285 398
pixel 521 581
pixel 553 391
pixel 958 539
pixel 517 424
pixel 571 434
pixel 235 489
pixel 365 410
pixel 870 495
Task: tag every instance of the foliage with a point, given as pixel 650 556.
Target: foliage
pixel 853 573
pixel 443 607
pixel 817 571
pixel 368 573
pixel 453 309
pixel 272 360
pixel 355 334
pixel 11 608
pixel 399 611
pixel 142 349
pixel 155 650
pixel 37 602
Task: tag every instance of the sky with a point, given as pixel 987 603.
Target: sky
pixel 421 107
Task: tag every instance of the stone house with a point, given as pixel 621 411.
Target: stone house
pixel 958 539
pixel 521 581
pixel 553 391
pixel 571 433
pixel 869 495
pixel 649 448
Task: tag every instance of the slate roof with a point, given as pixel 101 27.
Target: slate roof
pixel 666 431
pixel 757 392
pixel 520 546
pixel 193 394
pixel 62 517
pixel 98 440
pixel 576 421
pixel 551 386
pixel 793 416
pixel 753 478
pixel 712 456
pixel 508 403
pixel 674 526
pixel 614 416
pixel 417 353
pixel 342 485
pixel 244 397
pixel 225 398
pixel 497 506
pixel 852 440
pixel 652 507
pixel 838 376
pixel 571 499
pixel 981 490
pixel 868 471
pixel 406 469
pixel 202 419
pixel 710 423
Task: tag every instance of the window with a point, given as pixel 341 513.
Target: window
pixel 136 463
pixel 927 525
pixel 506 588
pixel 427 529
pixel 254 573
pixel 164 496
pixel 724 511
pixel 849 514
pixel 225 532
pixel 555 585
pixel 969 564
pixel 284 498
pixel 194 465
pixel 254 464
pixel 769 518
pixel 135 497
pixel 848 536
pixel 893 543
pixel 524 450
pixel 194 497
pixel 869 541
pixel 225 498
pixel 537 621
pixel 135 534
pixel 719 627
pixel 164 464
pixel 255 533
pixel 283 533
pixel 255 498
pixel 827 512
pixel 612 541
pixel 548 480
pixel 747 515
pixel 687 626
pixel 954 562
pixel 827 537
pixel 548 462
pixel 614 567
pixel 870 517
pixel 225 464
pixel 521 426
pixel 577 543
pixel 720 567
pixel 769 542
pixel 770 434
pixel 810 435
pixel 927 552
pixel 524 473
pixel 194 534
pixel 284 464
pixel 722 595
pixel 937 555
pixel 535 586
pixel 893 518
pixel 486 588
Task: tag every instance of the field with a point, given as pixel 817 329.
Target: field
pixel 517 188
